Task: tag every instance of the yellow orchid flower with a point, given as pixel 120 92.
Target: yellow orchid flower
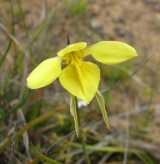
pixel 79 77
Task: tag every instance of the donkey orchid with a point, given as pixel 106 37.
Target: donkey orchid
pixel 79 77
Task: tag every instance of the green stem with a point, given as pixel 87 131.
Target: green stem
pixel 140 154
pixel 85 150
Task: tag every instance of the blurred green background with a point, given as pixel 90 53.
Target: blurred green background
pixel 36 126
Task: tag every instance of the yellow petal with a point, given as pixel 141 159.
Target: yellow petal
pixel 45 73
pixel 111 52
pixel 72 48
pixel 81 80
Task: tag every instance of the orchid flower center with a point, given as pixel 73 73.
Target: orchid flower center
pixel 73 58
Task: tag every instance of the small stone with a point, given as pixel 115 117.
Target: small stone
pixel 95 23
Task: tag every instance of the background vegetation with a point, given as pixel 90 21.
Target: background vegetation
pixel 36 126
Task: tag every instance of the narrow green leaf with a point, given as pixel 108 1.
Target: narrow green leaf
pixel 2 114
pixel 116 149
pixel 3 56
pixel 74 113
pixel 101 103
pixel 144 157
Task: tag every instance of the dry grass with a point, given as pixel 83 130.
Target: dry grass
pixel 36 126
